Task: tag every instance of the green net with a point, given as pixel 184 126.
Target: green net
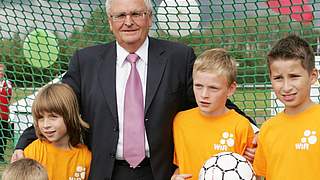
pixel 38 37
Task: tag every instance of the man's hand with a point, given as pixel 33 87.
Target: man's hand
pixel 17 154
pixel 251 151
pixel 181 176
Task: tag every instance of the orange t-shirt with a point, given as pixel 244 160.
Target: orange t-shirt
pixel 61 164
pixel 197 138
pixel 289 147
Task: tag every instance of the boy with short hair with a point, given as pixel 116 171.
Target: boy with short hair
pixel 211 128
pixel 25 169
pixel 288 145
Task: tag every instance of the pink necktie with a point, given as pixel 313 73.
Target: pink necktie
pixel 133 137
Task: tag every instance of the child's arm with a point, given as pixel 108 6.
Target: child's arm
pixel 250 151
pixel 259 177
pixel 245 139
pixel 177 176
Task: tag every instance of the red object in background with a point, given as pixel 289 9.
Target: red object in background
pixel 5 96
pixel 298 10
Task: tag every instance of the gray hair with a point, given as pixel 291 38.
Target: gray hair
pixel 146 2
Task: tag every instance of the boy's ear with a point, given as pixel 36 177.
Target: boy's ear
pixel 232 89
pixel 314 76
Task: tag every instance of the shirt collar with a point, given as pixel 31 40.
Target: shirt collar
pixel 142 52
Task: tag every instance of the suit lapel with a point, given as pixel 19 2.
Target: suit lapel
pixel 107 77
pixel 107 73
pixel 156 65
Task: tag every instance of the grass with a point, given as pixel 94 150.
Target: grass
pixel 18 93
pixel 7 155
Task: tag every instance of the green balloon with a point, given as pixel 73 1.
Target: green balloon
pixel 40 48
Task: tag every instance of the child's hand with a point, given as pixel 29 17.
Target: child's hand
pixel 181 176
pixel 250 152
pixel 17 154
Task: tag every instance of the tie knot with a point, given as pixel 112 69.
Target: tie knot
pixel 132 58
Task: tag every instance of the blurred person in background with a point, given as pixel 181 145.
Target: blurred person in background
pixel 5 97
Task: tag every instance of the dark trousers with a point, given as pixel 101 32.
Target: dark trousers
pixel 122 171
pixel 5 134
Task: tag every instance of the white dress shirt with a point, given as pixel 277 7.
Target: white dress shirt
pixel 123 68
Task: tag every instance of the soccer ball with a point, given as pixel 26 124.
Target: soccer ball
pixel 227 166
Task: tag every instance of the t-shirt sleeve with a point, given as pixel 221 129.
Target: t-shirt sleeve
pixel 259 163
pixel 31 150
pixel 88 162
pixel 245 136
pixel 175 160
pixel 176 139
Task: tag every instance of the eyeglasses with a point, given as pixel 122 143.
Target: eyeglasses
pixel 135 15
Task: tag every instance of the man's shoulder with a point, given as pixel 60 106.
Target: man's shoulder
pixel 97 49
pixel 170 44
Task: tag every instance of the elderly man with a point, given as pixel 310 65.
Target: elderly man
pixel 129 92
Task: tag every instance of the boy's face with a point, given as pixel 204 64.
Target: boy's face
pixel 52 127
pixel 292 83
pixel 211 92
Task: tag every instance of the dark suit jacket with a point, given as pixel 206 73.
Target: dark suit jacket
pixel 92 74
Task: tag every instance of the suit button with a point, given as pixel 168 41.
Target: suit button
pixel 115 129
pixel 113 155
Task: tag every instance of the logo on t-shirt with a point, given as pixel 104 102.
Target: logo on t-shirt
pixel 226 141
pixel 309 138
pixel 80 173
